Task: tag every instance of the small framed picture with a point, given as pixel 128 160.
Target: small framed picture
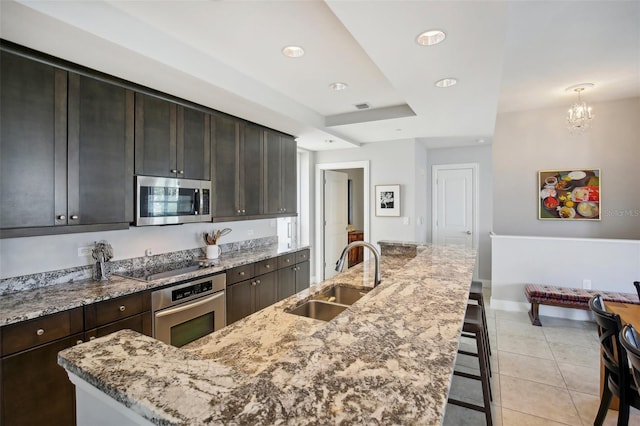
pixel 569 195
pixel 387 200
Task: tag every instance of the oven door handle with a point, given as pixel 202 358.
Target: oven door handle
pixel 189 305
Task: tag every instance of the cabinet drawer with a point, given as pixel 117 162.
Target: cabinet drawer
pixel 140 323
pixel 101 313
pixel 302 256
pixel 266 266
pixel 286 260
pixel 240 273
pixel 28 334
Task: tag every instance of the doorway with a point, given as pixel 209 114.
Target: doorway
pixel 321 260
pixel 454 219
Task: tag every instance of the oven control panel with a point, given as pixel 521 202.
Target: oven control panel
pixel 192 290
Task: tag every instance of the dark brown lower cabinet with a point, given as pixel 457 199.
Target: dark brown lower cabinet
pixel 35 389
pixel 140 323
pixel 302 276
pixel 286 282
pixel 249 296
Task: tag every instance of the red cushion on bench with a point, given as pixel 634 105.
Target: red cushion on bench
pixel 541 293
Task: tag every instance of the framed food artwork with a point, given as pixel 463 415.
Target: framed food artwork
pixel 569 194
pixel 387 200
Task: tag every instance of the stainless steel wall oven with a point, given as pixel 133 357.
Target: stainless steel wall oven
pixel 187 311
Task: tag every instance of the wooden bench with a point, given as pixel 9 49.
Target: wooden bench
pixel 566 297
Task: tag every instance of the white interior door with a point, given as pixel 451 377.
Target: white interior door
pixel 454 205
pixel 335 216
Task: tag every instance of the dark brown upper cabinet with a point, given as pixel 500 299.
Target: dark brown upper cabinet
pixel 171 140
pixel 100 152
pixel 67 150
pixel 236 168
pixel 280 174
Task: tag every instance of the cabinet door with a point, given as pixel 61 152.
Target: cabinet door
pixel 155 136
pixel 251 187
pixel 239 301
pixel 140 323
pixel 35 389
pixel 272 173
pixel 193 144
pixel 286 282
pixel 266 290
pixel 100 157
pixel 289 175
pixel 225 171
pixel 302 276
pixel 33 142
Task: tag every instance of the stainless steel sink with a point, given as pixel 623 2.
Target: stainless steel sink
pixel 342 295
pixel 318 309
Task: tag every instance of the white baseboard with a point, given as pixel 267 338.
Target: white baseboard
pixel 544 311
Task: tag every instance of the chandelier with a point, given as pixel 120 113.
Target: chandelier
pixel 580 114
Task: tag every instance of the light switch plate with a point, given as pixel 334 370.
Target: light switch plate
pixel 84 251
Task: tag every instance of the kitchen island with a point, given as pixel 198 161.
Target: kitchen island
pixel 388 358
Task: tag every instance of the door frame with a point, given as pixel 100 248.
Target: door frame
pixel 319 237
pixel 474 199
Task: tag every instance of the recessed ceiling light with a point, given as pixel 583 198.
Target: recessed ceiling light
pixel 446 82
pixel 329 140
pixel 338 86
pixel 292 51
pixel 480 140
pixel 431 37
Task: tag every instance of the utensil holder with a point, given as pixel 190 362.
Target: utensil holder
pixel 102 271
pixel 213 251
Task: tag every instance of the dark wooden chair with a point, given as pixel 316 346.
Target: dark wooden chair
pixel 617 376
pixel 631 343
pixel 637 286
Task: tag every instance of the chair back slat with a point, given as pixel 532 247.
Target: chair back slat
pixel 614 356
pixel 631 343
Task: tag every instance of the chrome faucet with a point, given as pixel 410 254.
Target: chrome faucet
pixel 376 254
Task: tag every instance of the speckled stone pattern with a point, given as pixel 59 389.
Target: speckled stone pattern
pixel 49 299
pixel 401 249
pixel 387 359
pixel 64 276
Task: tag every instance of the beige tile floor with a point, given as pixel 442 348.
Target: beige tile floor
pixel 545 375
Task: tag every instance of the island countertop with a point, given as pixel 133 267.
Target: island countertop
pixel 386 359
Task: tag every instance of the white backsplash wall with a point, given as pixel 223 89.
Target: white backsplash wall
pixel 30 255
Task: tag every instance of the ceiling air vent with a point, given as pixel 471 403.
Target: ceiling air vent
pixel 362 106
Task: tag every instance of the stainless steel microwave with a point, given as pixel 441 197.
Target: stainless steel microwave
pixel 169 201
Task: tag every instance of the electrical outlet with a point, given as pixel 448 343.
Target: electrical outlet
pixel 405 220
pixel 84 251
pixel 250 232
pixel 586 284
pixel 148 252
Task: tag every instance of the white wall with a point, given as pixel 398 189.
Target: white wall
pixel 611 265
pixel 390 163
pixel 482 156
pixel 29 255
pixel 529 141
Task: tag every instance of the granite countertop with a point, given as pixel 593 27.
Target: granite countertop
pixel 386 359
pixel 45 300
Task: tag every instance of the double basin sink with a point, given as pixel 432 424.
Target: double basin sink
pixel 328 304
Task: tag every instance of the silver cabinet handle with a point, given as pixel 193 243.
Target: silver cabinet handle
pixel 74 217
pixel 468 232
pixel 241 273
pixel 267 266
pixel 253 283
pixel 257 281
pixel 122 308
pixel 180 172
pixel 40 332
pixel 174 170
pixel 288 260
pixel 61 217
pixel 243 211
pixel 239 211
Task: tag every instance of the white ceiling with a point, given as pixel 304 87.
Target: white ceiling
pixel 507 56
